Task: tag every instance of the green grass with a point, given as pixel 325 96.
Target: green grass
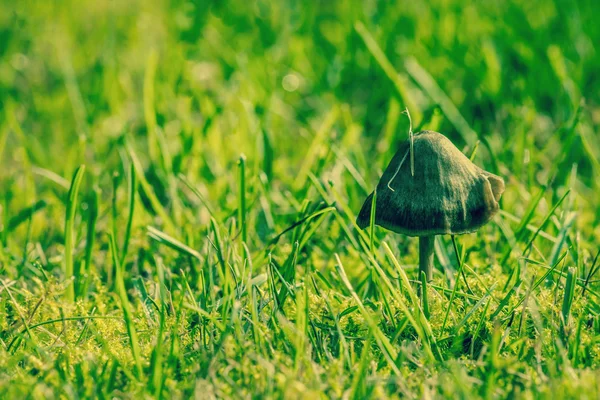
pixel 180 182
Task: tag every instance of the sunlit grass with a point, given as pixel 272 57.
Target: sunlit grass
pixel 208 247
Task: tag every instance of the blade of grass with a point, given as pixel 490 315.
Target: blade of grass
pixel 569 220
pixel 93 206
pixel 242 206
pixel 545 221
pixel 591 273
pixel 300 222
pixel 24 215
pixel 70 231
pixel 196 192
pixel 149 113
pixel 457 282
pixel 52 176
pixel 156 361
pixel 173 243
pixel 475 307
pixel 372 223
pixel 568 298
pixel 424 296
pixel 132 190
pixel 268 154
pixel 125 307
pixel 359 382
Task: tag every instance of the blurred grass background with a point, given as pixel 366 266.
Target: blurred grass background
pixel 312 93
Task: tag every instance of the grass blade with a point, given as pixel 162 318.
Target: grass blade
pixel 125 307
pixel 149 112
pixel 372 222
pixel 132 191
pixel 568 297
pixel 93 206
pixel 242 207
pixel 173 243
pixel 24 215
pixel 424 298
pixel 70 231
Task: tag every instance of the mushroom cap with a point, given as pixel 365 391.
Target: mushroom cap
pixel 448 194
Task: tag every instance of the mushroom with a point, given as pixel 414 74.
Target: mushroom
pixel 445 194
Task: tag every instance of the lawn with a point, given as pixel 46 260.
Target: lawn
pixel 180 182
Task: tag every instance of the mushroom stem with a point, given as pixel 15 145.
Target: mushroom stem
pixel 426 256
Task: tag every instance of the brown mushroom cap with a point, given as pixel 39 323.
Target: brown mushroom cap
pixel 448 194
